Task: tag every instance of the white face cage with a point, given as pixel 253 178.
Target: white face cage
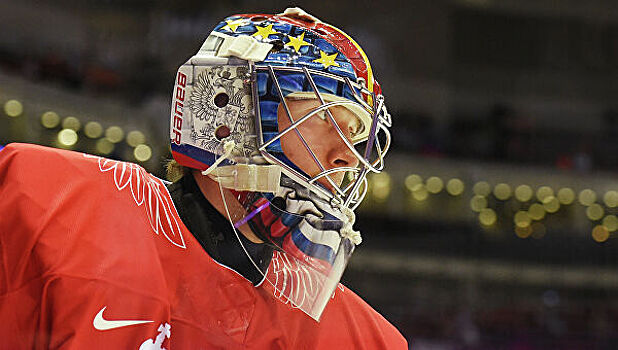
pixel 369 150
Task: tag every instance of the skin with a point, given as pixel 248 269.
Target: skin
pixel 321 135
pixel 326 145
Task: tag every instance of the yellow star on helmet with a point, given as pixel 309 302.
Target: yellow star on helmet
pixel 232 25
pixel 264 32
pixel 297 42
pixel 327 60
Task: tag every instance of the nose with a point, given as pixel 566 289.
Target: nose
pixel 340 155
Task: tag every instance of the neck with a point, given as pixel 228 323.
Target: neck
pixel 214 194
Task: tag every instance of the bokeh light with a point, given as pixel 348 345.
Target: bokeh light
pixel 412 180
pixel 50 119
pixel 414 184
pixel 114 134
pixel 536 211
pixel 481 188
pixel 420 192
pixel 104 146
pixel 611 199
pixel 551 204
pixel 487 217
pixel 587 197
pixel 71 123
pixel 611 223
pixel 381 181
pixel 566 196
pixel 600 233
pixel 522 219
pixel 595 212
pixel 478 203
pixel 135 138
pixel 93 130
pixel 434 184
pixel 502 191
pixel 544 192
pixel 538 230
pixel 523 231
pixel 13 108
pixel 67 137
pixel 455 187
pixel 523 193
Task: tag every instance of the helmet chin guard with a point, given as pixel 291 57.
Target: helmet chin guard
pixel 310 251
pixel 261 88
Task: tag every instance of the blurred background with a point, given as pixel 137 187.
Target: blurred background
pixel 494 225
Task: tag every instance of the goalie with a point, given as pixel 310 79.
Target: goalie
pixel 275 124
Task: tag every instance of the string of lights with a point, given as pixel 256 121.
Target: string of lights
pixel 525 208
pixel 69 130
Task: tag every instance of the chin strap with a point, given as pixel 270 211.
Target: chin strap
pixel 228 147
pixel 244 177
pixel 248 177
pixel 347 231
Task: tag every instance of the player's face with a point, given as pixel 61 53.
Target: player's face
pixel 319 133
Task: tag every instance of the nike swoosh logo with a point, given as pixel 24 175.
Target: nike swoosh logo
pixel 103 325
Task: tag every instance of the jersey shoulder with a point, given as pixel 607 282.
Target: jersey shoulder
pixel 53 180
pixel 61 198
pixel 71 185
pixel 46 173
pixel 31 164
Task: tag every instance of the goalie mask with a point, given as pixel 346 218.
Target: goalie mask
pixel 284 114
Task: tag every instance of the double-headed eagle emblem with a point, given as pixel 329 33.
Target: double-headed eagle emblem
pixel 221 98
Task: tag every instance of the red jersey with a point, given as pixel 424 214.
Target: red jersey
pixel 95 256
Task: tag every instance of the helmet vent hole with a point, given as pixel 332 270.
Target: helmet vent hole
pixel 277 45
pixel 222 132
pixel 221 99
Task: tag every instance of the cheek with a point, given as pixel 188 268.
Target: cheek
pixel 290 142
pixel 314 132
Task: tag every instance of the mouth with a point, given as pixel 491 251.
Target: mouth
pixel 333 186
